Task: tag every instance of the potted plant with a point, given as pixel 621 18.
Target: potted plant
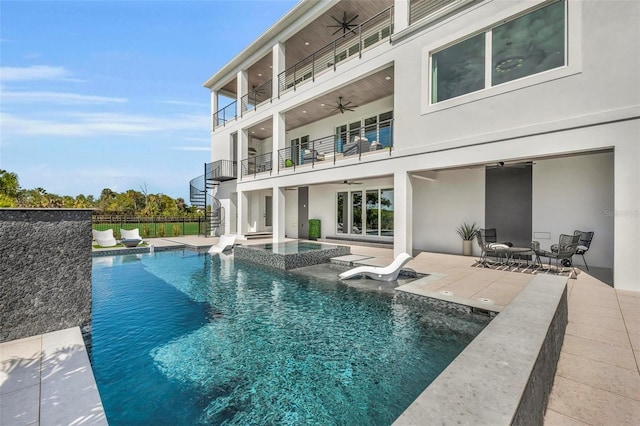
pixel 467 233
pixel 314 229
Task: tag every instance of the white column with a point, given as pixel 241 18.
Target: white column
pixel 626 268
pixel 243 213
pixel 242 87
pixel 242 147
pixel 400 15
pixel 278 66
pixel 214 105
pixel 278 214
pixel 402 213
pixel 279 137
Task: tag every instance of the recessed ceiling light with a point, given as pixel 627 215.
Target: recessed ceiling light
pixel 387 78
pixel 259 74
pixel 321 104
pixel 304 112
pixel 270 66
pixel 261 128
pixel 306 43
pixel 253 133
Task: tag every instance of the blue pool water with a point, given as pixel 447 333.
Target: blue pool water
pixel 187 338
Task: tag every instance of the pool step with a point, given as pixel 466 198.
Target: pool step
pixel 349 259
pixel 257 235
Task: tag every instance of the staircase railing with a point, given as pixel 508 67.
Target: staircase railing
pixel 257 164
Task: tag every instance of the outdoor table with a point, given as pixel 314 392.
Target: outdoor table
pixel 131 242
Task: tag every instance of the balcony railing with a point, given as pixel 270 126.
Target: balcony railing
pixel 221 170
pixel 226 114
pixel 256 96
pixel 371 138
pixel 364 36
pixel 258 164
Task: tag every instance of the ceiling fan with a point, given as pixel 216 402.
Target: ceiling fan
pixel 344 25
pixel 342 107
pixel 351 182
pixel 257 91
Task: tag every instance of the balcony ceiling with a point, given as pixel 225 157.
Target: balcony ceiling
pixel 359 93
pixel 313 37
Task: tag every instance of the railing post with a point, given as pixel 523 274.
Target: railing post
pixel 335 148
pixel 295 69
pixel 360 42
pixel 391 22
pixel 313 66
pixel 334 55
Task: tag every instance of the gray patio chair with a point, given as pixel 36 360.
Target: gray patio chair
pixel 485 237
pixel 583 244
pixel 563 251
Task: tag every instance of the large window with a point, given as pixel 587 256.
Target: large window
pixel 365 212
pixel 524 46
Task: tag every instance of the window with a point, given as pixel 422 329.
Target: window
pixel 524 46
pixel 376 128
pixel 373 219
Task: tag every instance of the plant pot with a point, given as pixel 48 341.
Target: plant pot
pixel 466 247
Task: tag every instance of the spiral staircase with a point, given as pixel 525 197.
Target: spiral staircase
pixel 200 197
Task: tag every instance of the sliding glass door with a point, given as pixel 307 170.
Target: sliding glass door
pixel 365 212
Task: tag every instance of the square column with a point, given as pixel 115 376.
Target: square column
pixel 243 213
pixel 278 214
pixel 402 213
pixel 401 12
pixel 242 147
pixel 279 137
pixel 242 88
pixel 214 106
pixel 278 66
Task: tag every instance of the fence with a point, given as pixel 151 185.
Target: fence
pixel 150 227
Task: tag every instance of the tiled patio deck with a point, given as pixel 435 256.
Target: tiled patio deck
pixel 598 378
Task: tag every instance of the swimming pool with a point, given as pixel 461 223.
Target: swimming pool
pixel 188 338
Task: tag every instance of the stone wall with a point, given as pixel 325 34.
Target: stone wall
pixel 45 271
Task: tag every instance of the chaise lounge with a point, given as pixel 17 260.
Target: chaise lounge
pixel 130 238
pixel 226 242
pixel 104 238
pixel 386 273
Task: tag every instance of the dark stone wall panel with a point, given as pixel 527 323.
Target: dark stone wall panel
pixel 45 271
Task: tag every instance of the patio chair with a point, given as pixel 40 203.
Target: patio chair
pixel 583 244
pixel 357 146
pixel 386 273
pixel 485 239
pixel 225 242
pixel 563 251
pixel 104 238
pixel 130 238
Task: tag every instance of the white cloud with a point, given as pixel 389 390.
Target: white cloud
pixel 99 123
pixel 57 98
pixel 34 72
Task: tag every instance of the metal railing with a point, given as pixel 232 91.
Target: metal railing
pixel 149 226
pixel 221 170
pixel 256 96
pixel 226 114
pixel 258 164
pixel 371 138
pixel 364 36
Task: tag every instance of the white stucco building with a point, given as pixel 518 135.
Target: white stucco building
pixel 400 120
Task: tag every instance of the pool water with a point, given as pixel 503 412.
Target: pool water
pixel 187 338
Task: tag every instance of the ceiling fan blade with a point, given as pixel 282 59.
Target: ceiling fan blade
pixel 336 31
pixel 352 19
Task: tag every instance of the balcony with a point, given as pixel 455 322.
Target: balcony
pixel 356 144
pixel 315 50
pixel 221 170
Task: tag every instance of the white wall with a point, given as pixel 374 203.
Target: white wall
pixel 575 193
pixel 440 206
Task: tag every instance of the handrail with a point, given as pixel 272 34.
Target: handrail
pixel 369 32
pixel 369 138
pixel 221 169
pixel 257 164
pixel 256 96
pixel 226 114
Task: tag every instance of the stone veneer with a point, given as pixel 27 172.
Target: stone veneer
pixel 45 271
pixel 289 260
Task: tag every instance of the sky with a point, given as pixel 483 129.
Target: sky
pixel 108 94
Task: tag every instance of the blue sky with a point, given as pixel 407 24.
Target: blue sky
pixel 108 94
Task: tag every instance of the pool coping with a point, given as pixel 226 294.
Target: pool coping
pixel 506 373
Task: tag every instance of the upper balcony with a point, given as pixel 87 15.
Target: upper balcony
pixel 342 33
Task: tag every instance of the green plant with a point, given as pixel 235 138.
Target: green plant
pixel 160 230
pixel 467 232
pixel 314 229
pixel 176 229
pixel 146 231
pixel 288 163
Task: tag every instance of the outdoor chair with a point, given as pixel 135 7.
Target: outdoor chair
pixel 130 238
pixel 104 238
pixel 486 237
pixel 563 251
pixel 583 244
pixel 358 145
pixel 311 156
pixel 386 273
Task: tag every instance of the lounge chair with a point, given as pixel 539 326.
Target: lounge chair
pixel 563 251
pixel 386 273
pixel 131 238
pixel 104 238
pixel 226 242
pixel 583 244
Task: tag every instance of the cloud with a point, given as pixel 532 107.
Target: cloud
pixel 99 123
pixel 57 98
pixel 34 72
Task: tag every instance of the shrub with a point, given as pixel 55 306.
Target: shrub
pixel 146 230
pixel 176 229
pixel 160 230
